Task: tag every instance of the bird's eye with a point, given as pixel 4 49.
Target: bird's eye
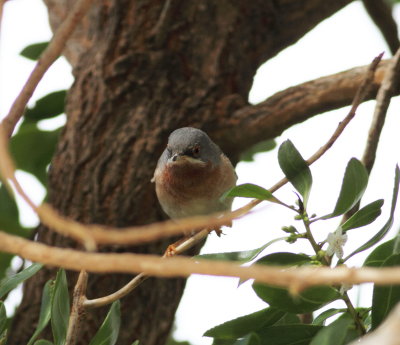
pixel 196 151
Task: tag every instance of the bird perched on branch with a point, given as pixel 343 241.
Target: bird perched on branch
pixel 192 174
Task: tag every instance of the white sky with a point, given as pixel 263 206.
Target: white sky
pixel 345 40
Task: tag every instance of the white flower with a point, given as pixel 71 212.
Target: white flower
pixel 336 241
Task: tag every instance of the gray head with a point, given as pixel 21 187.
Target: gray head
pixel 193 144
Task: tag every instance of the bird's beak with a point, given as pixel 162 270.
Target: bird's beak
pixel 181 158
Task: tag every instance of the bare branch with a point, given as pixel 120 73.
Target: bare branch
pixel 381 13
pixel 52 52
pixel 268 119
pixel 77 310
pixel 296 278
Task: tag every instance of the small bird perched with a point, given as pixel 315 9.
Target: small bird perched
pixel 192 174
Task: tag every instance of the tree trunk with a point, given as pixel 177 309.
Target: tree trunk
pixel 142 69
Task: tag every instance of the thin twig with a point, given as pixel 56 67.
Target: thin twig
pixel 354 314
pixel 140 278
pixel 383 97
pixel 51 53
pixel 385 93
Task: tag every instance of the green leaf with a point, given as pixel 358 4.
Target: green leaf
pixel 250 339
pixel 288 319
pixel 33 149
pixel 34 51
pixel 288 335
pixel 284 258
pixel 380 254
pixel 295 169
pixel 10 283
pixel 249 190
pixel 136 342
pixel 43 342
pixel 334 334
pixel 108 331
pixel 60 308
pixel 307 301
pixel 45 310
pixel 364 216
pixel 354 183
pixel 382 232
pixel 3 318
pixel 384 298
pixel 49 106
pixel 240 256
pixel 263 146
pixel 243 325
pixel 321 318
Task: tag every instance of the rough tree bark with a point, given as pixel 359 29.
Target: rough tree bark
pixel 142 69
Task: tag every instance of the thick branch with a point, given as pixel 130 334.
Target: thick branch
pixel 380 12
pixel 268 119
pixel 297 279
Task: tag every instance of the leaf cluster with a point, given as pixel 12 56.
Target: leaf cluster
pixel 279 322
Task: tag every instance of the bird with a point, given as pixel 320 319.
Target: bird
pixel 192 175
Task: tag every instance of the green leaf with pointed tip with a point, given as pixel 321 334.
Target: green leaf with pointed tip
pixel 288 334
pixel 334 334
pixel 384 230
pixel 249 190
pixel 33 149
pixel 243 325
pixel 45 310
pixel 263 146
pixel 60 308
pixel 136 342
pixel 384 298
pixel 108 331
pixel 354 183
pixel 10 283
pixel 3 318
pixel 34 51
pixel 364 216
pixel 49 106
pixel 321 318
pixel 241 256
pixel 250 339
pixel 43 342
pixel 295 169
